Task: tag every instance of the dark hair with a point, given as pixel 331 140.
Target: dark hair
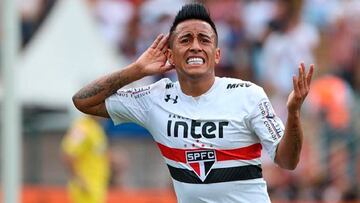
pixel 195 11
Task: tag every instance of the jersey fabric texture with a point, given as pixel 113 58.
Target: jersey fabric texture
pixel 86 142
pixel 212 143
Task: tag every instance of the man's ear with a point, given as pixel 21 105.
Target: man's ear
pixel 217 56
pixel 170 56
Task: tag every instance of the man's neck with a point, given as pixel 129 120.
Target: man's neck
pixel 196 87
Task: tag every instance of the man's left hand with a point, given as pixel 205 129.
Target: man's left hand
pixel 301 88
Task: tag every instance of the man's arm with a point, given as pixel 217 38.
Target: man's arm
pixel 91 98
pixel 288 151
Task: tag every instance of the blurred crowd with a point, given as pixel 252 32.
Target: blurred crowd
pixel 264 41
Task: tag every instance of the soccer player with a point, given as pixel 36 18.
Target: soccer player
pixel 85 155
pixel 210 130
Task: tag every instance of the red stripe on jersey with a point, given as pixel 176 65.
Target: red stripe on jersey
pixel 243 153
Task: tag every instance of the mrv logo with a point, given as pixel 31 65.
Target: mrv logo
pixel 196 129
pixel 236 85
pixel 201 162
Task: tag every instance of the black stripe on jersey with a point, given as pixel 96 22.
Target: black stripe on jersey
pixel 217 175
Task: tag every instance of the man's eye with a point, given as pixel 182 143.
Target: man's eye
pixel 206 40
pixel 184 40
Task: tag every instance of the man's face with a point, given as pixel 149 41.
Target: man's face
pixel 193 51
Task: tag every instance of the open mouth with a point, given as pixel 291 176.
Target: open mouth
pixel 195 61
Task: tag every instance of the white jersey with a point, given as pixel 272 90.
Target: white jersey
pixel 211 143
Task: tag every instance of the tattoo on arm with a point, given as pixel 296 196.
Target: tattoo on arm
pixel 296 134
pixel 110 86
pixel 297 144
pixel 115 82
pixel 89 91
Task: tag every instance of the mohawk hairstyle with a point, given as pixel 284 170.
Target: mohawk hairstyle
pixel 195 11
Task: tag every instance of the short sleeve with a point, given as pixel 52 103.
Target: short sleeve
pixel 266 124
pixel 132 105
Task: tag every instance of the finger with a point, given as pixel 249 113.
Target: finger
pixel 304 89
pixel 157 41
pixel 310 74
pixel 164 51
pixel 296 85
pixel 303 79
pixel 163 43
pixel 305 85
pixel 304 74
pixel 168 67
pixel 300 78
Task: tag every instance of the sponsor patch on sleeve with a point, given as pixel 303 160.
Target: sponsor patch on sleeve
pixel 270 121
pixel 134 92
pixel 266 109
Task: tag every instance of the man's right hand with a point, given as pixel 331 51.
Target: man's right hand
pixel 91 98
pixel 153 60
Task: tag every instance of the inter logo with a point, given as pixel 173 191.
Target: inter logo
pixel 201 161
pixel 196 129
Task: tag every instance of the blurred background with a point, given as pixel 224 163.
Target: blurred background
pixel 67 43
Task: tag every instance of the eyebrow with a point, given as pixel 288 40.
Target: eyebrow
pixel 190 34
pixel 205 35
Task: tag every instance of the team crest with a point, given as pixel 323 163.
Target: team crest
pixel 201 161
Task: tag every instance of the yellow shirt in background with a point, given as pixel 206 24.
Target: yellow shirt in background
pixel 86 143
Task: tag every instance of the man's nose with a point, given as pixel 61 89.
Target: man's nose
pixel 195 46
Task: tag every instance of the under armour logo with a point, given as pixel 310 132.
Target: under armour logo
pixel 169 98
